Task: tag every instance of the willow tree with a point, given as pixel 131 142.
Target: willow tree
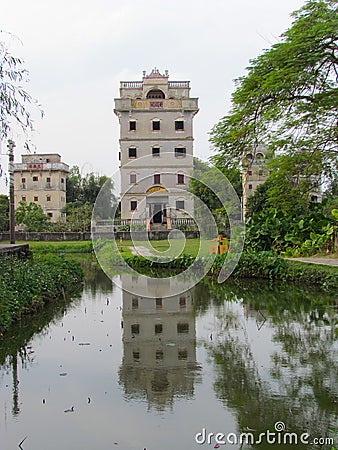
pixel 15 101
pixel 289 97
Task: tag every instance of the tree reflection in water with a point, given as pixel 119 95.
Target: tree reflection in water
pixel 293 378
pixel 272 352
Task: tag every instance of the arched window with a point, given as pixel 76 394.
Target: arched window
pixel 155 93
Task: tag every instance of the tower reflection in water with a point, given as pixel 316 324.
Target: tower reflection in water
pixel 159 344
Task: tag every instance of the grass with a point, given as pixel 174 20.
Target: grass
pixel 59 246
pixel 173 248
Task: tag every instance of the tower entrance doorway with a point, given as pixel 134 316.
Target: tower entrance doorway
pixel 157 214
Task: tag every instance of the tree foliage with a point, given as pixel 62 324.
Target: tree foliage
pixel 15 101
pixel 4 213
pixel 78 217
pixel 290 186
pixel 199 186
pixel 82 192
pixel 84 189
pixel 32 217
pixel 289 97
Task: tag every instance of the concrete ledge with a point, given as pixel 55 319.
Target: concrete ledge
pixel 21 250
pixel 313 260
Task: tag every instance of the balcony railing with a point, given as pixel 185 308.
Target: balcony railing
pixel 42 167
pixel 131 84
pixel 179 84
pixel 138 84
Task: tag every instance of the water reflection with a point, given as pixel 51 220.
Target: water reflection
pixel 15 349
pixel 274 364
pixel 159 344
pixel 266 354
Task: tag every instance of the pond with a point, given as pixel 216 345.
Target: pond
pixel 243 364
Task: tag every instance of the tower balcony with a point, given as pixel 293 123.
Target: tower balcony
pixel 128 104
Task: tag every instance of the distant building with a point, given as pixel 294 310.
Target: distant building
pixel 156 121
pixel 254 172
pixel 41 178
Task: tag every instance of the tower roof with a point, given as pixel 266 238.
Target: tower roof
pixel 155 73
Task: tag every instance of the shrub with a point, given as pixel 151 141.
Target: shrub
pixel 26 285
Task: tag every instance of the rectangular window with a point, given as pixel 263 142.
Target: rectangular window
pixel 183 302
pixel 35 178
pixel 48 198
pixel 23 180
pixel 179 125
pixel 180 179
pixel 156 125
pixel 48 180
pixel 250 186
pixel 179 204
pixel 182 328
pixel 119 156
pixel 134 303
pixel 158 328
pixel 132 178
pixel 158 302
pixel 62 180
pixel 132 152
pixel 133 205
pixel 50 214
pixel 23 198
pixel 156 151
pixel 135 328
pixel 136 355
pixel 182 354
pixel 36 198
pixel 180 152
pixel 132 125
pixel 157 178
pixel 159 354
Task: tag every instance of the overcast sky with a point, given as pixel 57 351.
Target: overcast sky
pixel 77 52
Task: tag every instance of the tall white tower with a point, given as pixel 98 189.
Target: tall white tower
pixel 156 148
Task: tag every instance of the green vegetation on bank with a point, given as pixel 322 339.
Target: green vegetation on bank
pixel 62 247
pixel 27 285
pixel 260 265
pixel 59 247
